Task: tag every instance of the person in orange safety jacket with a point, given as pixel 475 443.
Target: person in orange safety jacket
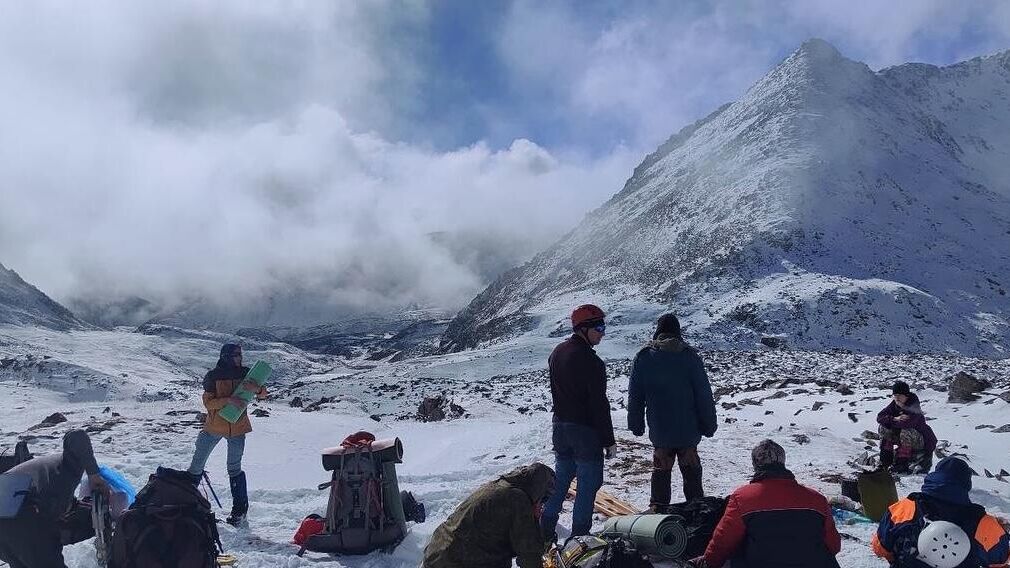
pixel 944 497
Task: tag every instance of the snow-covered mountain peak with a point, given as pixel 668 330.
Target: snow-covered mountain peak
pixel 24 304
pixel 884 191
pixel 818 48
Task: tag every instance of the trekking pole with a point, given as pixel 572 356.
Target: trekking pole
pixel 206 478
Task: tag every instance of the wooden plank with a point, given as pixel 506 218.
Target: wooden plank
pixel 605 503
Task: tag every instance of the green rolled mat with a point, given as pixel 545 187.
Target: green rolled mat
pixel 658 535
pixel 391 493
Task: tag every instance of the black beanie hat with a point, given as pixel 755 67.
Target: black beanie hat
pixel 668 324
pixel 228 350
pixel 901 387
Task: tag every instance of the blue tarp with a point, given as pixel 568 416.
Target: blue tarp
pixel 118 483
pixel 845 517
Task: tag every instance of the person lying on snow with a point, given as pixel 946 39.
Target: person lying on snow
pixel 903 424
pixel 498 522
pixel 940 526
pixel 773 521
pixel 31 539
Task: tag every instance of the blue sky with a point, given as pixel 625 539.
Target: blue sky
pixel 497 71
pixel 256 146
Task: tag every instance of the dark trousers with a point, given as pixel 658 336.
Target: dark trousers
pixel 663 460
pixel 31 541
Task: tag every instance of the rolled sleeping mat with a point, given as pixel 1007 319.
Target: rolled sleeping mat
pixel 657 535
pixel 390 450
pixel 391 493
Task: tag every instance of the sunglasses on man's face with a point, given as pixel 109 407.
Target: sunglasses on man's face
pixel 600 328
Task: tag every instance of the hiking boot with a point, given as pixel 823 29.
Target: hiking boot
pixel 886 458
pixel 239 500
pixel 236 520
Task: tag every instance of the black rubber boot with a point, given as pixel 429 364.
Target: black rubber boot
pixel 901 465
pixel 239 500
pixel 886 458
pixel 923 463
pixel 661 490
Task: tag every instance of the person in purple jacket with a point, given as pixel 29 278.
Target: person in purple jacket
pixel 903 425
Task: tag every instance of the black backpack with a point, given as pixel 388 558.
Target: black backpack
pixel 700 516
pixel 170 525
pixel 20 456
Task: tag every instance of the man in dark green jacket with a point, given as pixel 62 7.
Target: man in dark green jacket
pixel 31 539
pixel 669 387
pixel 495 524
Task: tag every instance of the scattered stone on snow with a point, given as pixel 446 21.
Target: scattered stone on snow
pixel 962 387
pixel 437 408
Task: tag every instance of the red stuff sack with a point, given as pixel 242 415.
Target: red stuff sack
pixel 311 525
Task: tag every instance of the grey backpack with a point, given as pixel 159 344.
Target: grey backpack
pixel 365 511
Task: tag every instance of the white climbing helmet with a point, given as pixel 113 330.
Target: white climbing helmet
pixel 943 545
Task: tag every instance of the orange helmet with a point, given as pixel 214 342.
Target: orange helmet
pixel 586 314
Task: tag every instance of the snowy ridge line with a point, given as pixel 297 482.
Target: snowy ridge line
pixel 831 206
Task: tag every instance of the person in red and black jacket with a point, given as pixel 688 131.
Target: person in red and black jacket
pixel 583 431
pixel 773 521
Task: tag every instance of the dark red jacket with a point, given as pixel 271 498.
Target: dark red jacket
pixel 775 523
pixel 916 420
pixel 579 388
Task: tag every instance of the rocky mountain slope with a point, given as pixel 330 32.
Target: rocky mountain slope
pixel 24 304
pixel 138 396
pixel 831 207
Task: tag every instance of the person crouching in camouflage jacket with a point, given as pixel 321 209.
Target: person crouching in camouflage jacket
pixel 495 524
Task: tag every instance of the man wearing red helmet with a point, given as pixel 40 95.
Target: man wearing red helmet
pixel 582 431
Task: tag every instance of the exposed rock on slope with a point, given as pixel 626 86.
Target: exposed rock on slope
pixel 832 206
pixel 24 304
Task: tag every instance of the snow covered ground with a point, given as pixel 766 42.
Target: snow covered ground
pixel 138 395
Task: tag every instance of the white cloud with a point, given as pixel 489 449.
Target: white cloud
pixel 236 149
pixel 210 150
pixel 890 33
pixel 654 67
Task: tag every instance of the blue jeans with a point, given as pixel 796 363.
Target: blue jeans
pixel 205 444
pixel 578 455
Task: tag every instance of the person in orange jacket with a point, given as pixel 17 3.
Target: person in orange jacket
pixel 941 513
pixel 218 386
